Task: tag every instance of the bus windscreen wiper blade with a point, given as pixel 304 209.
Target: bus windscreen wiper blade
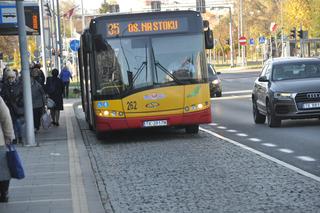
pixel 168 73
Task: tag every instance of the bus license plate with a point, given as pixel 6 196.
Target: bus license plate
pixel 155 123
pixel 311 105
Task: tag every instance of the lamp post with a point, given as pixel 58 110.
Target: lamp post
pixel 243 62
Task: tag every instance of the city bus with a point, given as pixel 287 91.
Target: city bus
pixel 145 70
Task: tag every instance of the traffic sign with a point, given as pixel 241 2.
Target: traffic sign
pixel 243 41
pixel 251 41
pixel 262 40
pixel 8 14
pixel 74 45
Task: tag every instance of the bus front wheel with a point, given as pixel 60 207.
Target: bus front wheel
pixel 192 129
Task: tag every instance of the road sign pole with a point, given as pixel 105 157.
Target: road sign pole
pixel 231 40
pixel 28 112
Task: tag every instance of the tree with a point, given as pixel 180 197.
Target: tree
pixel 296 13
pixel 104 8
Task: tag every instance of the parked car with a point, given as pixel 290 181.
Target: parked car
pixel 287 88
pixel 214 82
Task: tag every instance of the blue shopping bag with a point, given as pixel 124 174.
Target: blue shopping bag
pixel 14 163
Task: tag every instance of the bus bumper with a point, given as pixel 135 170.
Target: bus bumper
pixel 109 124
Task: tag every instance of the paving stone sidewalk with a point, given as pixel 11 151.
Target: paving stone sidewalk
pixel 48 186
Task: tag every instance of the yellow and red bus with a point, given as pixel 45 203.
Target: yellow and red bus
pixel 145 70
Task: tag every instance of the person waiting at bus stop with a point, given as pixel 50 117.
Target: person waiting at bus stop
pixel 6 137
pixel 38 98
pixel 54 88
pixel 65 76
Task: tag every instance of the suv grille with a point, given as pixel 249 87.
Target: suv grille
pixel 311 97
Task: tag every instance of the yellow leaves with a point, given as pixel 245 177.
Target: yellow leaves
pixel 296 13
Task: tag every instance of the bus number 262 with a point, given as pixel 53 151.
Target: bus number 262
pixel 131 105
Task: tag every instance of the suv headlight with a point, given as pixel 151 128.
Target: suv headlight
pixel 284 95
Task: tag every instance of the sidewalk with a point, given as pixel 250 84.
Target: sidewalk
pixel 57 179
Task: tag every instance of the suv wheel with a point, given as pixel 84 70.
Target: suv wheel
pixel 273 121
pixel 257 116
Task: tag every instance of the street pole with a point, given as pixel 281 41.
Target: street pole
pixel 50 42
pixel 231 40
pixel 301 43
pixel 241 32
pixel 28 110
pixel 82 14
pixel 56 63
pixel 43 42
pixel 282 39
pixel 60 37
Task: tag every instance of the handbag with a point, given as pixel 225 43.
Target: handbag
pixel 46 120
pixel 50 103
pixel 14 163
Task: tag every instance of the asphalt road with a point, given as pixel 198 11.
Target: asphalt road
pixel 296 142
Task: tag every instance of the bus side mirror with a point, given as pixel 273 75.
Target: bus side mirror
pixel 208 35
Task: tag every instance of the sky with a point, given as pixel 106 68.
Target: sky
pixel 125 5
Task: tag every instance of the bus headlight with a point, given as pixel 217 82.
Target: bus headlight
pixel 106 113
pixel 200 106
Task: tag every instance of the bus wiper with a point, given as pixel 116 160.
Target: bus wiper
pixel 162 68
pixel 168 73
pixel 142 66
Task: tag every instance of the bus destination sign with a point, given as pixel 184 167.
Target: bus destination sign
pixel 131 28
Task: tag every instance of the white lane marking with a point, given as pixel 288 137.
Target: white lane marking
pixel 213 124
pixel 237 92
pixel 79 197
pixel 231 97
pixel 232 130
pixel 269 145
pixel 222 127
pixel 255 139
pixel 242 135
pixel 293 168
pixel 289 151
pixel 306 158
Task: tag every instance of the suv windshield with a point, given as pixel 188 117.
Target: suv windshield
pixel 298 70
pixel 125 64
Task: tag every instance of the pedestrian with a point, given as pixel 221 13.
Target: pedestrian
pixel 38 99
pixel 41 77
pixel 65 76
pixel 54 88
pixel 6 136
pixel 12 94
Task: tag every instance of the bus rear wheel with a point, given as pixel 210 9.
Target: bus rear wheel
pixel 192 129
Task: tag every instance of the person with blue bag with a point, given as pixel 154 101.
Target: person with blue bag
pixel 6 137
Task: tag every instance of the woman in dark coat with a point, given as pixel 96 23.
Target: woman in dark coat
pixel 54 88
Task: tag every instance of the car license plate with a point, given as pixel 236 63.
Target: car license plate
pixel 311 105
pixel 155 123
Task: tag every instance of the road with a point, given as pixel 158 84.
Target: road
pixel 296 142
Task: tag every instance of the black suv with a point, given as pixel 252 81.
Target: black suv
pixel 287 88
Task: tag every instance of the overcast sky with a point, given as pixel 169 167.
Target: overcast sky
pixel 135 5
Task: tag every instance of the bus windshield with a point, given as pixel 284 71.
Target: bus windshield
pixel 126 64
